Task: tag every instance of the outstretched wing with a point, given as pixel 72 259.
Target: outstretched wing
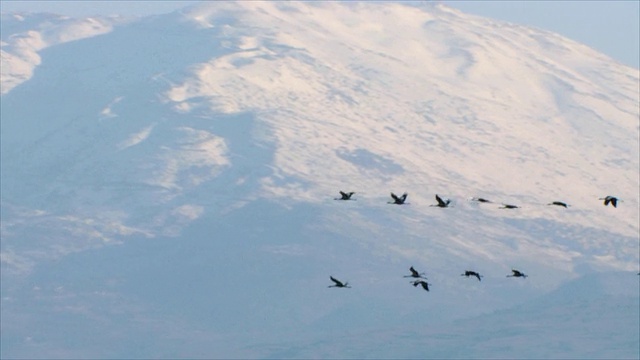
pixel 338 282
pixel 414 272
pixel 478 276
pixel 395 197
pixel 516 272
pixel 404 197
pixel 614 202
pixel 345 196
pixel 440 201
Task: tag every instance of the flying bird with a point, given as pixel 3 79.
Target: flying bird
pixel 345 196
pixel 415 273
pixel 398 200
pixel 338 283
pixel 559 203
pixel 424 284
pixel 507 206
pixel 517 273
pixel 610 200
pixel 482 200
pixel 468 273
pixel 442 203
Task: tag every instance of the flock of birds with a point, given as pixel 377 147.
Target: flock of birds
pixel 443 203
pixel 420 278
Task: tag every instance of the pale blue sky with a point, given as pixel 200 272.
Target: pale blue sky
pixel 612 27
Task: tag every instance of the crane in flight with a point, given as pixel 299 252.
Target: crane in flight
pixel 338 283
pixel 398 200
pixel 415 274
pixel 345 196
pixel 558 203
pixel 424 284
pixel 509 206
pixel 468 273
pixel 610 200
pixel 517 273
pixel 442 203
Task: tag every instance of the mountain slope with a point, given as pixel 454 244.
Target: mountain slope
pixel 187 163
pixel 578 320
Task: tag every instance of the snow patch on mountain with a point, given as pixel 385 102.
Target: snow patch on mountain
pixel 25 35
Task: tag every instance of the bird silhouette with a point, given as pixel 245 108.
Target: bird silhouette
pixel 442 203
pixel 610 200
pixel 398 200
pixel 468 273
pixel 517 273
pixel 424 284
pixel 507 206
pixel 558 203
pixel 338 283
pixel 481 200
pixel 415 274
pixel 345 196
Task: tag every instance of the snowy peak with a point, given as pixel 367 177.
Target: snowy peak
pixel 307 98
pixel 453 75
pixel 24 35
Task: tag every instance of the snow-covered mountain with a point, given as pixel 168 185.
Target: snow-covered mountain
pixel 168 184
